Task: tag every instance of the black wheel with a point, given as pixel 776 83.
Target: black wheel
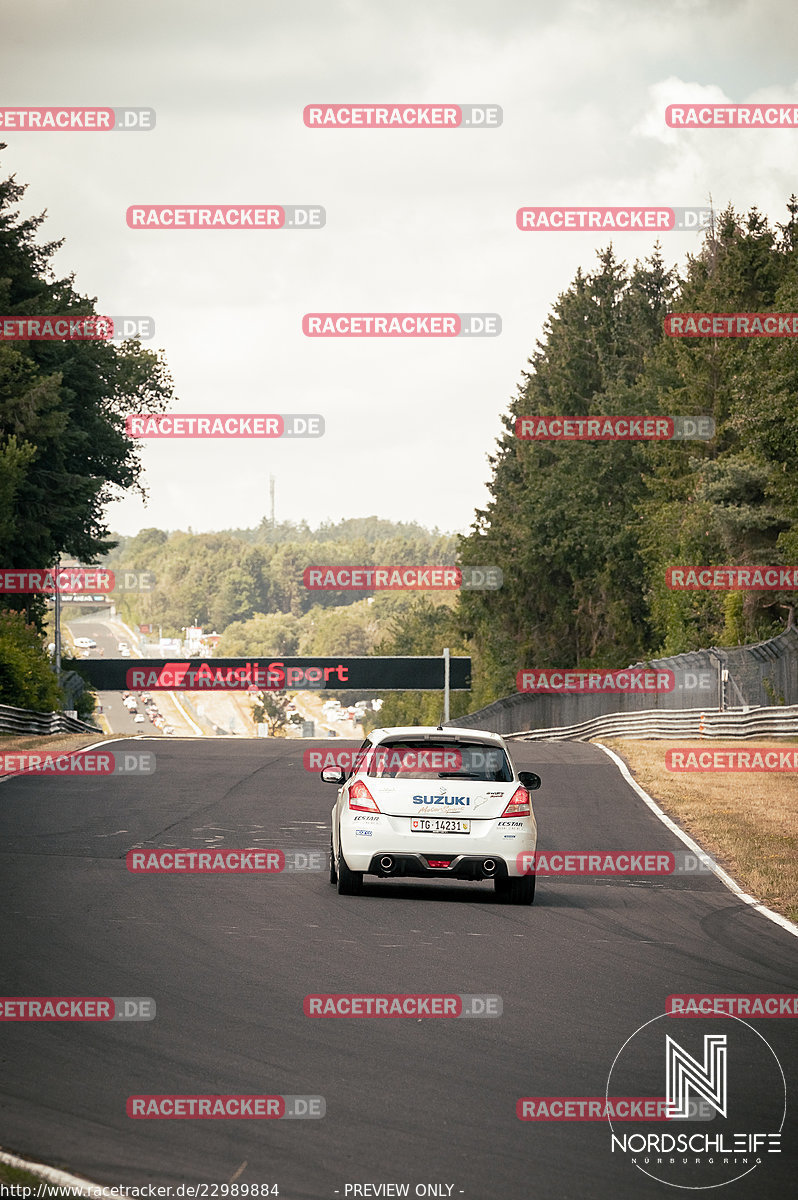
pixel 349 882
pixel 515 890
pixel 333 872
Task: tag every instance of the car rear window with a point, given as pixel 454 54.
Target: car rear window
pixel 420 759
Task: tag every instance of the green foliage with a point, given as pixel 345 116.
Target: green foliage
pixel 735 500
pixel 27 679
pixel 373 531
pixel 261 634
pixel 561 523
pixel 585 531
pixel 64 452
pixel 223 581
pixel 271 709
pixel 424 626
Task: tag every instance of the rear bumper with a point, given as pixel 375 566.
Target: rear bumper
pixel 459 866
pixel 365 842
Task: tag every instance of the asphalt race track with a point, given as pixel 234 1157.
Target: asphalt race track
pixel 228 960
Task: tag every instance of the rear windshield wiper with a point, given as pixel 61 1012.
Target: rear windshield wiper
pixel 462 775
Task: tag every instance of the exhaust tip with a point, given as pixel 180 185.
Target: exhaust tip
pixel 386 863
pixel 489 866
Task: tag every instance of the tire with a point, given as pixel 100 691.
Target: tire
pixel 333 871
pixel 515 890
pixel 350 883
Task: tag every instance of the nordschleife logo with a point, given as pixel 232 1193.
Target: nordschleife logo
pixel 725 1102
pixel 684 1075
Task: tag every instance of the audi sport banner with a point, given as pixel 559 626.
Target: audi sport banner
pixel 275 674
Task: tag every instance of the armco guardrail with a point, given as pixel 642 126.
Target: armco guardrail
pixel 23 720
pixel 781 721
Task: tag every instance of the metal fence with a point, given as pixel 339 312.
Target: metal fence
pixel 24 720
pixel 781 721
pixel 757 676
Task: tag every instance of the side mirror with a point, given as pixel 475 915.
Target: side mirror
pixel 333 775
pixel 529 780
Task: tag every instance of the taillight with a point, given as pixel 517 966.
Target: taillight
pixel 361 798
pixel 519 805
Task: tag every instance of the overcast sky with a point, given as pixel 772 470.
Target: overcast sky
pixel 417 220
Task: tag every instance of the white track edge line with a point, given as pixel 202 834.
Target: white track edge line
pixel 56 1177
pixel 722 875
pixel 186 714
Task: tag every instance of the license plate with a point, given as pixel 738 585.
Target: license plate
pixel 439 825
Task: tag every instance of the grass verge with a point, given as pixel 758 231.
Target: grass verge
pixel 747 821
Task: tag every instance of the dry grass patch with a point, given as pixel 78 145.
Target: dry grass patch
pixel 747 821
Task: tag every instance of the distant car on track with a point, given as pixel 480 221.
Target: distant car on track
pixel 433 804
pixel 139 718
pixel 85 643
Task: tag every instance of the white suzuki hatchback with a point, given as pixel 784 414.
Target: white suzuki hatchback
pixel 436 804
